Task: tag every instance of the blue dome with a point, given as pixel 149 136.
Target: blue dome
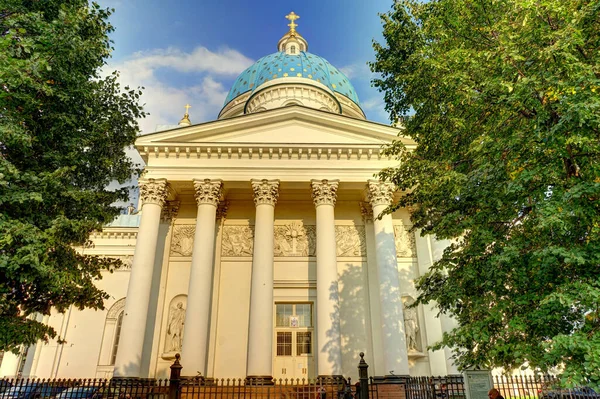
pixel 281 65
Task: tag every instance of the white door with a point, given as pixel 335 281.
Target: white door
pixel 294 341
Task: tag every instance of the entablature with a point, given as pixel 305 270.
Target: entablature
pixel 262 150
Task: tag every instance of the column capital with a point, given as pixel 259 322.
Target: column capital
pixel 169 211
pixel 208 191
pixel 380 193
pixel 324 192
pixel 222 210
pixel 265 191
pixel 367 212
pixel 153 191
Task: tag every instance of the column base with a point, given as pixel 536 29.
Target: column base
pixel 259 380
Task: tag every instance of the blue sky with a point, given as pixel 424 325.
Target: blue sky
pixel 192 51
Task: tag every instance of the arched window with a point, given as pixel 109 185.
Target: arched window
pixel 111 338
pixel 293 50
pixel 115 347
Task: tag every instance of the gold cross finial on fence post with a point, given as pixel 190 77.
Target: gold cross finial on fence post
pixel 292 17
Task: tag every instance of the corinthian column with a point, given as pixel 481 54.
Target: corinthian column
pixel 329 351
pixel 395 356
pixel 260 332
pixel 127 364
pixel 195 335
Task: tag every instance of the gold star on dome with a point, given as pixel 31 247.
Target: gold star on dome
pixel 292 17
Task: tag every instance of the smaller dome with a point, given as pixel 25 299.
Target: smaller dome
pixel 282 65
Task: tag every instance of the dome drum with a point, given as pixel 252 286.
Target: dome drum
pixel 292 92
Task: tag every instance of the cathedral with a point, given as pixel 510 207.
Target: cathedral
pixel 258 249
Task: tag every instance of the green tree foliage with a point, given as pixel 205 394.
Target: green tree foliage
pixel 503 98
pixel 63 130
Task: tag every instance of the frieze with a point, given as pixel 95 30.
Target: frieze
pixel 237 241
pixel 295 239
pixel 182 242
pixel 405 241
pixel 350 241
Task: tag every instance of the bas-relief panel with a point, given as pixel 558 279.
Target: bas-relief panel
pixel 295 239
pixel 183 240
pixel 405 241
pixel 350 241
pixel 237 241
pixel 291 240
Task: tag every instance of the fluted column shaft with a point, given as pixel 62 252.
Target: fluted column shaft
pixel 392 326
pixel 329 351
pixel 127 364
pixel 260 332
pixel 195 336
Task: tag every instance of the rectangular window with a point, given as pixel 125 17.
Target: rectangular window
pixel 303 311
pixel 303 343
pixel 284 343
pixel 283 311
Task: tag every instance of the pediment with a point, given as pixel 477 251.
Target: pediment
pixel 290 125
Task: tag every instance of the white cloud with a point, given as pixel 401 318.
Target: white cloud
pixel 163 99
pixel 357 70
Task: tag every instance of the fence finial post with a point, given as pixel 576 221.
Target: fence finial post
pixel 174 381
pixel 363 376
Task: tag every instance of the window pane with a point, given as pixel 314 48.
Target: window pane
pixel 283 311
pixel 284 344
pixel 113 357
pixel 303 311
pixel 303 343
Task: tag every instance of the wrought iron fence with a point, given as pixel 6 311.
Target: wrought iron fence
pixel 177 387
pixel 195 388
pixel 116 388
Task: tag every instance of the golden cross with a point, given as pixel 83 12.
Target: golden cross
pixel 187 108
pixel 292 17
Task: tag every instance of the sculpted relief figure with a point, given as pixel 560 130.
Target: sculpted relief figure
pixel 237 241
pixel 405 241
pixel 411 325
pixel 175 328
pixel 350 240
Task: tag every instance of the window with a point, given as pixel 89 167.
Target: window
pixel 283 314
pixel 293 326
pixel 115 347
pixel 284 343
pixel 293 50
pixel 303 343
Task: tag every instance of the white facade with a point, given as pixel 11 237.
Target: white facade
pixel 258 230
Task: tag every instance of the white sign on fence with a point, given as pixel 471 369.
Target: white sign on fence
pixel 477 383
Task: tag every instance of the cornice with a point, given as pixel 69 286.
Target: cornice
pixel 115 233
pixel 231 150
pixel 238 123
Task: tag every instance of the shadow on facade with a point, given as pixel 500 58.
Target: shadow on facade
pixel 354 314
